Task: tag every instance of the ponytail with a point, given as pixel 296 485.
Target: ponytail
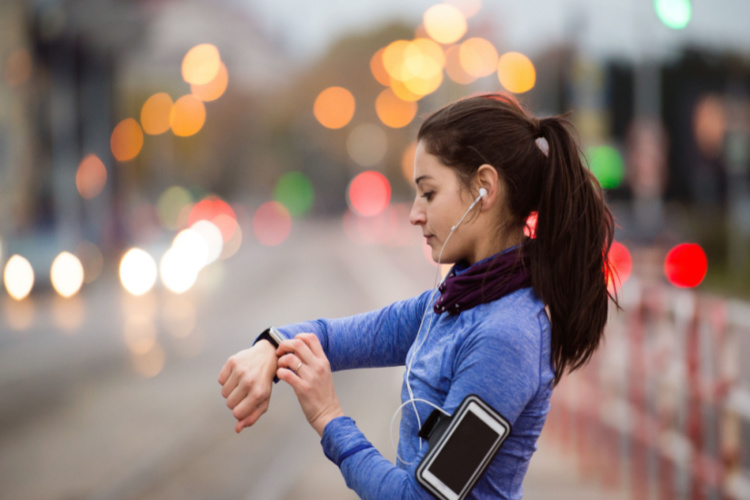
pixel 569 265
pixel 574 228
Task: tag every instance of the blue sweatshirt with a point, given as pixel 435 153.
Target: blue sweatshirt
pixel 499 351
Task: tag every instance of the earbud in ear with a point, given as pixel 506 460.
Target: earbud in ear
pixel 482 192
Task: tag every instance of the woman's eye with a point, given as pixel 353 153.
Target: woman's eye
pixel 428 195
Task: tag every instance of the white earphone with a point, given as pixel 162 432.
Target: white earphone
pixel 412 399
pixel 482 194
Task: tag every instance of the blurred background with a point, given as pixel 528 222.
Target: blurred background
pixel 176 175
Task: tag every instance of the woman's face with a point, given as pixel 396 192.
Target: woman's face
pixel 440 202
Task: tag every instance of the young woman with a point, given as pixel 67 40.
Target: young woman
pixel 511 317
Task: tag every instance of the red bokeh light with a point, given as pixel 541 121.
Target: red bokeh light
pixel 530 228
pixel 621 264
pixel 369 193
pixel 218 211
pixel 686 265
pixel 272 223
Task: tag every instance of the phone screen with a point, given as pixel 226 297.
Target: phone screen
pixel 463 452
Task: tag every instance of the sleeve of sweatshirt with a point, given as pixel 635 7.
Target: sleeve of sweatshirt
pixel 502 369
pixel 372 339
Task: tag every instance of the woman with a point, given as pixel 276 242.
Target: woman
pixel 512 316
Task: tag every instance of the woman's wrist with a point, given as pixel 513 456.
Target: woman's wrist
pixel 320 423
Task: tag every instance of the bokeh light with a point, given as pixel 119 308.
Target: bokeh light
pixel 272 223
pixel 369 193
pixel 444 23
pixel 530 228
pixel 407 162
pixel 215 88
pixel 478 57
pixel 213 238
pixel 201 64
pixel 367 144
pixel 187 116
pixel 178 267
pixel 171 202
pixel 91 259
pixel 155 113
pixel 66 274
pixel 19 315
pixel 415 67
pixel 18 68
pixel 150 363
pixel 233 244
pixel 469 8
pixel 217 211
pixel 334 107
pixel 68 313
pixel 516 72
pixel 453 67
pixel 295 191
pixel 685 265
pixel 710 125
pixel 674 14
pixel 622 265
pixel 378 69
pixel 393 111
pixel 607 165
pixel 126 140
pixel 91 177
pixel 137 271
pixel 139 333
pixel 18 277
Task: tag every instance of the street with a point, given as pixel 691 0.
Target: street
pixel 109 396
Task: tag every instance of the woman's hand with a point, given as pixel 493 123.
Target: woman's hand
pixel 247 380
pixel 304 366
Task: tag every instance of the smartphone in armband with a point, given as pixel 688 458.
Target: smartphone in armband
pixel 461 447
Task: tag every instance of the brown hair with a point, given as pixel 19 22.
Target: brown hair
pixel 574 228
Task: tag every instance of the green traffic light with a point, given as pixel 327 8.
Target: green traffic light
pixel 674 14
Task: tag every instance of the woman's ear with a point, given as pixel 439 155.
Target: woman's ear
pixel 488 178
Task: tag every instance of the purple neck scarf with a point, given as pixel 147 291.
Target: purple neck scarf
pixel 484 282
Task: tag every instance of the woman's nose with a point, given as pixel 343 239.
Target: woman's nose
pixel 417 215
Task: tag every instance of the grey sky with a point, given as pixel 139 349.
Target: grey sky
pixel 602 27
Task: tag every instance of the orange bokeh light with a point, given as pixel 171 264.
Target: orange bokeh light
pixel 201 64
pixel 378 69
pixel 272 223
pixel 444 23
pixel 187 116
pixel 215 88
pixel 516 72
pixel 155 113
pixel 393 111
pixel 334 107
pixel 453 67
pixel 369 193
pixel 126 140
pixel 407 162
pixel 91 176
pixel 478 57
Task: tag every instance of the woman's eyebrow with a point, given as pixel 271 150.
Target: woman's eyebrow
pixel 421 178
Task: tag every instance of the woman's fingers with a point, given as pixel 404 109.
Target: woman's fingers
pixel 290 361
pixel 312 342
pixel 298 347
